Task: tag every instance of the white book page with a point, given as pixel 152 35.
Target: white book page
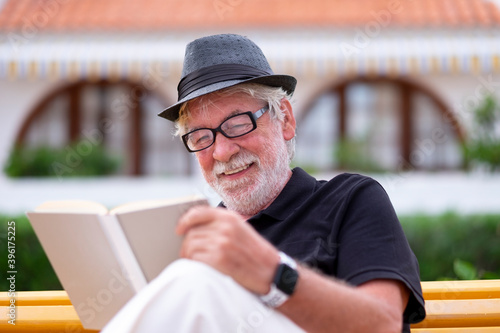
pixel 123 252
pixel 72 206
pixel 85 263
pixel 151 235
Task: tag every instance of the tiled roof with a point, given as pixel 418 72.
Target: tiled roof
pixel 123 15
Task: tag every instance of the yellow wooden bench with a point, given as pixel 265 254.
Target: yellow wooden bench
pixel 40 311
pixel 452 307
pixel 461 306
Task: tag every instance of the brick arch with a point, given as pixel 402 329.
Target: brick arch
pixel 73 133
pixel 407 87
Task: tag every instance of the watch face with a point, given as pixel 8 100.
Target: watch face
pixel 286 279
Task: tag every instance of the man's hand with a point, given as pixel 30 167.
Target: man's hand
pixel 225 241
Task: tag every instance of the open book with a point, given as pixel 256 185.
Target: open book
pixel 102 258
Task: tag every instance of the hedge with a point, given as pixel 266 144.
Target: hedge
pixel 443 244
pixel 34 271
pixel 75 160
pixel 439 241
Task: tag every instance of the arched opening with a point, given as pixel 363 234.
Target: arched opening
pixel 119 115
pixel 379 124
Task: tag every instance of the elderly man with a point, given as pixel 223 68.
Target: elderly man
pixel 283 252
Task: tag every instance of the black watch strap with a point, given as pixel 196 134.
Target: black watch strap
pixel 284 282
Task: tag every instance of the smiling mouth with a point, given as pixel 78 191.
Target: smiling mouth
pixel 232 172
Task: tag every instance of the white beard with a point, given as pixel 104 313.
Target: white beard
pixel 251 194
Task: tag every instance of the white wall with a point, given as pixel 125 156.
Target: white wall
pixel 463 92
pixel 17 98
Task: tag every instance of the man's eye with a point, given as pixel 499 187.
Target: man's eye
pixel 236 126
pixel 239 127
pixel 201 140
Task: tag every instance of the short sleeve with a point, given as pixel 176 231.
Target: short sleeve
pixel 372 245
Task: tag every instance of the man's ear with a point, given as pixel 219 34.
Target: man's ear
pixel 288 120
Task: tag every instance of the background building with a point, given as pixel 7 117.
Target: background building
pixel 383 86
pixel 396 80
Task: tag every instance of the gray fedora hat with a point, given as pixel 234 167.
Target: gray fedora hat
pixel 220 61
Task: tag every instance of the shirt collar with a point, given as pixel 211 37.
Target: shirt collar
pixel 298 188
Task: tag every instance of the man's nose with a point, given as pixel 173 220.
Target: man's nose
pixel 224 148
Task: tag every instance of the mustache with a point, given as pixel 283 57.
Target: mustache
pixel 239 160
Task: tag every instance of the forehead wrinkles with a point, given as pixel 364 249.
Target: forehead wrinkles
pixel 203 107
pixel 200 109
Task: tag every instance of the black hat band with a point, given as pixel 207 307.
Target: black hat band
pixel 217 73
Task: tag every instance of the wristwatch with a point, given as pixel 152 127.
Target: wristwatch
pixel 284 282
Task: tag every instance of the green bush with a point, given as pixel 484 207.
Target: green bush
pixel 439 241
pixel 355 155
pixel 483 146
pixel 34 271
pixel 448 246
pixel 79 159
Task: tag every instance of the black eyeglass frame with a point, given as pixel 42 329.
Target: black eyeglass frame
pixel 253 118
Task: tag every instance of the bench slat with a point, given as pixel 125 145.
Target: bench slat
pixel 462 313
pixel 474 289
pixel 50 318
pixel 46 297
pixel 457 330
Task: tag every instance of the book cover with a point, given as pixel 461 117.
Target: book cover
pixel 102 258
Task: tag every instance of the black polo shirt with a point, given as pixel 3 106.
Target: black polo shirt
pixel 347 228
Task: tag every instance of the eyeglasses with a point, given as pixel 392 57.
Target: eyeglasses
pixel 233 127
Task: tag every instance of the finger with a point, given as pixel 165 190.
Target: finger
pixel 194 216
pixel 199 215
pixel 193 240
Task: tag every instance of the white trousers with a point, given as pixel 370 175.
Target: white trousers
pixel 189 296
